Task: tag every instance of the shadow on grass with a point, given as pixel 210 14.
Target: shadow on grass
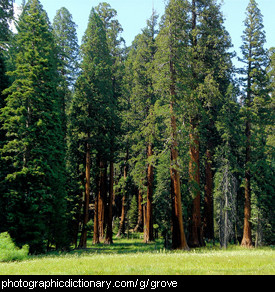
pixel 121 246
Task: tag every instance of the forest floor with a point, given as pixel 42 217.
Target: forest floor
pixel 133 257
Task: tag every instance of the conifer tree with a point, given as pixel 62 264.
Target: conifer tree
pixel 255 97
pixel 113 30
pixel 34 148
pixel 64 30
pixel 92 109
pixel 6 13
pixel 170 71
pixel 228 167
pixel 210 76
pixel 143 117
pixel 65 36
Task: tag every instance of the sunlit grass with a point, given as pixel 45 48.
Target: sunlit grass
pixel 133 257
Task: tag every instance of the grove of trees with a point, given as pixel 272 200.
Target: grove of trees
pixel 166 137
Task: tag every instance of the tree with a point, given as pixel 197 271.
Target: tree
pixel 143 130
pixel 34 149
pixel 209 78
pixel 113 30
pixel 64 30
pixel 170 68
pixel 6 13
pixel 92 108
pixel 254 82
pixel 228 167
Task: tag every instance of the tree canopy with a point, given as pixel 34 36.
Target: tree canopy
pixel 165 137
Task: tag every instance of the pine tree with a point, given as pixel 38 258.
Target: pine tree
pixel 34 148
pixel 254 82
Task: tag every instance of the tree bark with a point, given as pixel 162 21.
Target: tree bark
pixel 139 226
pixel 109 231
pixel 195 228
pixel 247 234
pixel 102 198
pixel 121 229
pixel 96 221
pixel 208 198
pixel 178 235
pixel 195 236
pixel 149 232
pixel 83 238
pixel 96 232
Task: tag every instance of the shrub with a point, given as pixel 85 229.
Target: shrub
pixel 9 251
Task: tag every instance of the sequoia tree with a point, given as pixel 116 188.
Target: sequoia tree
pixel 92 108
pixel 142 101
pixel 114 40
pixel 210 68
pixel 170 70
pixel 254 82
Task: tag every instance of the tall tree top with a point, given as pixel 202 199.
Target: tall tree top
pixel 65 34
pixel 6 13
pixel 254 34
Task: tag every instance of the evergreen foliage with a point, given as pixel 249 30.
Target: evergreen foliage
pixel 34 148
pixel 161 133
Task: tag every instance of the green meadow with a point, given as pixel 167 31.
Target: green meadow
pixel 133 257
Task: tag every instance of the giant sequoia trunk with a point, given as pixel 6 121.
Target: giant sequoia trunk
pixel 139 226
pixel 208 198
pixel 195 227
pixel 96 233
pixel 195 236
pixel 148 232
pixel 178 235
pixel 96 239
pixel 247 237
pixel 121 229
pixel 102 194
pixel 83 238
pixel 109 231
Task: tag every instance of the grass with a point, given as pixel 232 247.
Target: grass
pixel 132 257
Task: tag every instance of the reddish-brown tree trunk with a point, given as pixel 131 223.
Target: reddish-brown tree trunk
pixel 109 231
pixel 195 236
pixel 139 226
pixel 96 233
pixel 178 235
pixel 96 222
pixel 83 238
pixel 149 232
pixel 102 198
pixel 76 222
pixel 208 198
pixel 247 235
pixel 121 229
